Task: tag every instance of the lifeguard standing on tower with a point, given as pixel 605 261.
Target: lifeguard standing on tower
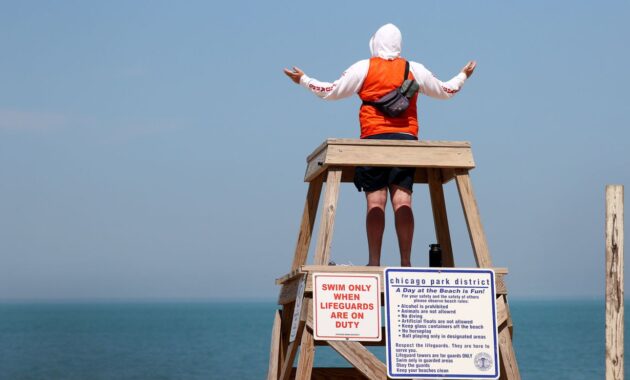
pixel 379 82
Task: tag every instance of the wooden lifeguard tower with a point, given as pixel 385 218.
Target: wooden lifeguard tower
pixel 333 162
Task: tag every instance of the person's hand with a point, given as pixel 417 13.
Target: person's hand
pixel 469 68
pixel 294 74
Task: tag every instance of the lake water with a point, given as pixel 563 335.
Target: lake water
pixel 220 340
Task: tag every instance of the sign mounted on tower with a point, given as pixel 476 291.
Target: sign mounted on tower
pixel 441 323
pixel 346 306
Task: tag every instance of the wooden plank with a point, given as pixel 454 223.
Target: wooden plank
pixel 288 291
pixel 297 310
pixel 366 142
pixel 274 350
pixel 499 282
pixel 307 355
pixel 337 373
pixel 437 157
pixel 614 283
pixel 324 240
pixel 315 166
pixel 362 359
pixel 510 323
pixel 379 155
pixel 502 311
pixel 285 329
pixel 308 317
pixel 509 367
pixel 307 223
pixel 357 152
pixel 318 150
pixel 290 285
pixel 288 277
pixel 291 351
pixel 415 143
pixel 287 364
pixel 473 220
pixel 440 218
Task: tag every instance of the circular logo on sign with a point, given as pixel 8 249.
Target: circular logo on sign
pixel 483 361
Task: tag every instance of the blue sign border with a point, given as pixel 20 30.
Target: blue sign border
pixel 386 286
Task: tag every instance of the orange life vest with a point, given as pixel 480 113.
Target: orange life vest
pixel 384 76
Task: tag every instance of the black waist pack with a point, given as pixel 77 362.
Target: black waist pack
pixel 396 101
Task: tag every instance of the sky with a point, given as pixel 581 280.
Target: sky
pixel 155 149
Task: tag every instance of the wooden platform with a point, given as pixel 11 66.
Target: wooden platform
pixel 349 153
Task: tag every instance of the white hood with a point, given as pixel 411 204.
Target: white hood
pixel 386 42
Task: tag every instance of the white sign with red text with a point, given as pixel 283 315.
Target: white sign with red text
pixel 346 306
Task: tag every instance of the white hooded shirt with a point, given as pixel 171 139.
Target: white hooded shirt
pixel 386 43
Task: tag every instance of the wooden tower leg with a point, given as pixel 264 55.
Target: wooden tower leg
pixel 509 367
pixel 440 219
pixel 291 351
pixel 324 239
pixel 299 257
pixel 286 318
pixel 289 358
pixel 473 220
pixel 507 357
pixel 274 351
pixel 307 354
pixel 308 221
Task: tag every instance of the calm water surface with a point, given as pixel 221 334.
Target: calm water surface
pixel 214 340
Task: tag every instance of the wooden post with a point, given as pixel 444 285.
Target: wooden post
pixel 440 219
pixel 509 367
pixel 473 220
pixel 291 351
pixel 614 283
pixel 324 239
pixel 308 221
pixel 307 354
pixel 286 317
pixel 274 351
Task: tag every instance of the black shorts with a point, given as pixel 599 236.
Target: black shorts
pixel 372 178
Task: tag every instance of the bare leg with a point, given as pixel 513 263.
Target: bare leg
pixel 375 223
pixel 403 215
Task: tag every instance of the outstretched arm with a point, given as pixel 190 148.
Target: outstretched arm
pixel 435 88
pixel 350 82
